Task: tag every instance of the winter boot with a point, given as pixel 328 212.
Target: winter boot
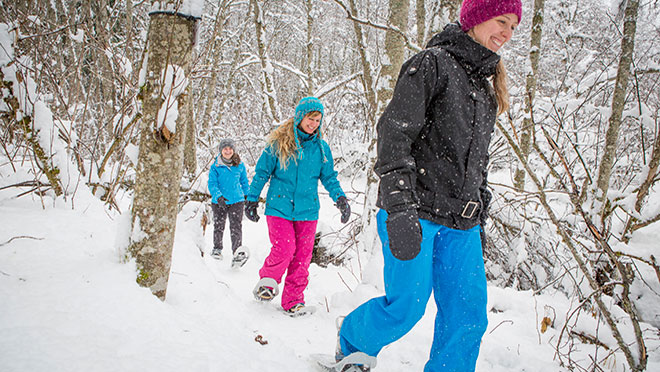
pixel 217 254
pixel 266 289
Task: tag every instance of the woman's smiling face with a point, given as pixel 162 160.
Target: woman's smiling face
pixel 311 122
pixel 495 32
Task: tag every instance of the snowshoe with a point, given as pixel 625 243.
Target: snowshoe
pixel 355 362
pixel 300 310
pixel 266 289
pixel 240 257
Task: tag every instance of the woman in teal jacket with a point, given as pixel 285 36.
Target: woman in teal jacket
pixel 294 161
pixel 228 185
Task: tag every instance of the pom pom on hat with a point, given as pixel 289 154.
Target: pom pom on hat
pixel 474 12
pixel 227 142
pixel 305 106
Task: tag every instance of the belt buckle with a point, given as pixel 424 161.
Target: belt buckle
pixel 470 209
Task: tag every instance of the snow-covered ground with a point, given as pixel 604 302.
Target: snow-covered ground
pixel 68 303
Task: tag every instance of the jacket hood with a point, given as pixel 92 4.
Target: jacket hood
pixel 474 57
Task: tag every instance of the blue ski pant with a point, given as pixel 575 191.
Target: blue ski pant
pixel 450 264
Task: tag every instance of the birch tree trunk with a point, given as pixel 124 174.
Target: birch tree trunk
pixel 266 66
pixel 527 135
pixel 394 50
pixel 160 162
pixel 309 48
pixel 213 61
pixel 618 103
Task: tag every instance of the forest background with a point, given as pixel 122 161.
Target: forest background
pixel 94 90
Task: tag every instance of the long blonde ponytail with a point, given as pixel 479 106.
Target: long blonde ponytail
pixel 500 87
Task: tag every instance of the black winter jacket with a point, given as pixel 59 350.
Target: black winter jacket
pixel 433 136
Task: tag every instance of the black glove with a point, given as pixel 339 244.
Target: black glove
pixel 404 233
pixel 222 202
pixel 344 208
pixel 251 211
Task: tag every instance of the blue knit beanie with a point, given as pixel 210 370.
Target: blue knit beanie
pixel 305 106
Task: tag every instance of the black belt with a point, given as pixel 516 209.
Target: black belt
pixel 464 208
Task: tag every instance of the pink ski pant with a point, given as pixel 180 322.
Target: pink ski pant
pixel 293 243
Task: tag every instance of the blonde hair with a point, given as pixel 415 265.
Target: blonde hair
pixel 501 89
pixel 283 140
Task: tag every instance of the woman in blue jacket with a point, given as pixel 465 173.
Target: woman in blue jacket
pixel 294 161
pixel 228 185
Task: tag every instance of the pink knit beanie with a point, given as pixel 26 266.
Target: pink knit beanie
pixel 474 12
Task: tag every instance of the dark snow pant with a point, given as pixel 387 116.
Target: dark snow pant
pixel 235 212
pixel 450 265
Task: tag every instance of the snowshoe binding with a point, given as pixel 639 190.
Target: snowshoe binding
pixel 240 257
pixel 300 310
pixel 266 289
pixel 217 254
pixel 355 362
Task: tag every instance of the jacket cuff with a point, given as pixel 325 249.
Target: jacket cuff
pixel 397 191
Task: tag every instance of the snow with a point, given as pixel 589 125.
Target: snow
pixel 6 45
pixel 78 37
pixel 70 303
pixel 175 83
pixel 45 130
pixel 193 8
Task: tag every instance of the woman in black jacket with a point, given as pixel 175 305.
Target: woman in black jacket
pixel 433 142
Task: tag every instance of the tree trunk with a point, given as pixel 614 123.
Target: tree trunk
pixel 452 9
pixel 213 60
pixel 420 13
pixel 444 11
pixel 160 163
pixel 309 48
pixel 367 71
pixel 266 66
pixel 189 148
pixel 527 135
pixel 618 103
pixel 394 50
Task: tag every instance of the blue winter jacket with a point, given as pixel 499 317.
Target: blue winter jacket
pixel 228 182
pixel 293 192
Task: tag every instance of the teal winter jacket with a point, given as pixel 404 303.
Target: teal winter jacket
pixel 293 192
pixel 228 182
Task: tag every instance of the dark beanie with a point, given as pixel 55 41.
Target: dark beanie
pixel 474 12
pixel 227 142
